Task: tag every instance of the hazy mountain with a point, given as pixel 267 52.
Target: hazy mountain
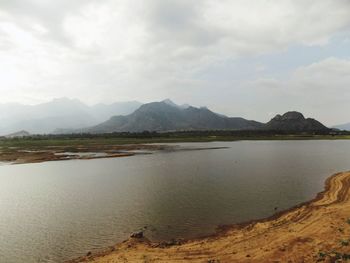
pixel 60 113
pixel 171 103
pixel 345 126
pixel 70 116
pixel 167 116
pixel 18 134
pixel 294 122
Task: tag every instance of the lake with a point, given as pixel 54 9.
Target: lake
pixel 54 211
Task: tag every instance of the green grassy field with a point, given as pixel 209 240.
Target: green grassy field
pixel 38 142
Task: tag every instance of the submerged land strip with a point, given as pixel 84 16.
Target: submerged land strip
pixel 315 231
pixel 20 155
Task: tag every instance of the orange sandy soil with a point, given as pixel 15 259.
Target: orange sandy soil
pixel 316 231
pixel 57 153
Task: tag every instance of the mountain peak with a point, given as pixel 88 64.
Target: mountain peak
pixel 293 121
pixel 167 116
pixel 290 115
pixel 170 102
pixel 185 106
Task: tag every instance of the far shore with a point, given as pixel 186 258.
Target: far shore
pixel 86 152
pixel 43 148
pixel 315 231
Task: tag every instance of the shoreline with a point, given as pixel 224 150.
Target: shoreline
pixel 37 154
pixel 318 229
pixel 36 150
pixel 80 152
pixel 76 152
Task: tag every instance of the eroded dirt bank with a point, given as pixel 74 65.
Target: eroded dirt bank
pixel 316 231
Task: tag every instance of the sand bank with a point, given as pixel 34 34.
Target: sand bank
pixel 318 230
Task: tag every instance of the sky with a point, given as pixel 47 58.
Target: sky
pixel 244 58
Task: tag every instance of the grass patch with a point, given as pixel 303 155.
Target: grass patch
pixel 36 142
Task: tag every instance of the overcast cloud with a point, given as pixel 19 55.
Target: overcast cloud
pixel 217 53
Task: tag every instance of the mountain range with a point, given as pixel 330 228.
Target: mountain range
pixel 72 116
pixel 167 116
pixel 62 113
pixel 19 134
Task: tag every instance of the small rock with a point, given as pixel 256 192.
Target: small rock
pixel 88 254
pixel 137 234
pixel 172 242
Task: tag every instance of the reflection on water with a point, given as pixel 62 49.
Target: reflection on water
pixel 59 210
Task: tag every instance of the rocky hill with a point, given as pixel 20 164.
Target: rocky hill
pixel 294 121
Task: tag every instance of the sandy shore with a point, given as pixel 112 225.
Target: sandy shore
pixel 316 231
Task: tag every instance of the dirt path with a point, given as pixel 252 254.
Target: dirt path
pixel 316 230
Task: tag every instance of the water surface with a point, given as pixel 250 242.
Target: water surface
pixel 53 211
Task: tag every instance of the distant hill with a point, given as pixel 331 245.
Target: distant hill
pixel 60 113
pixel 72 116
pixel 18 134
pixel 345 126
pixel 167 116
pixel 294 122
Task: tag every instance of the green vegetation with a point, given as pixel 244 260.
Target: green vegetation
pixel 341 230
pixel 38 141
pixel 344 242
pixel 334 255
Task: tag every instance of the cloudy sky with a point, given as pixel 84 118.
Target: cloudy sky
pixel 238 57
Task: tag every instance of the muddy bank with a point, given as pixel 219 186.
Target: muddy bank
pixel 19 155
pixel 316 231
pixel 56 153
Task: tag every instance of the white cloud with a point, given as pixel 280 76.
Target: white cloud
pixel 130 49
pixel 330 75
pixel 320 90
